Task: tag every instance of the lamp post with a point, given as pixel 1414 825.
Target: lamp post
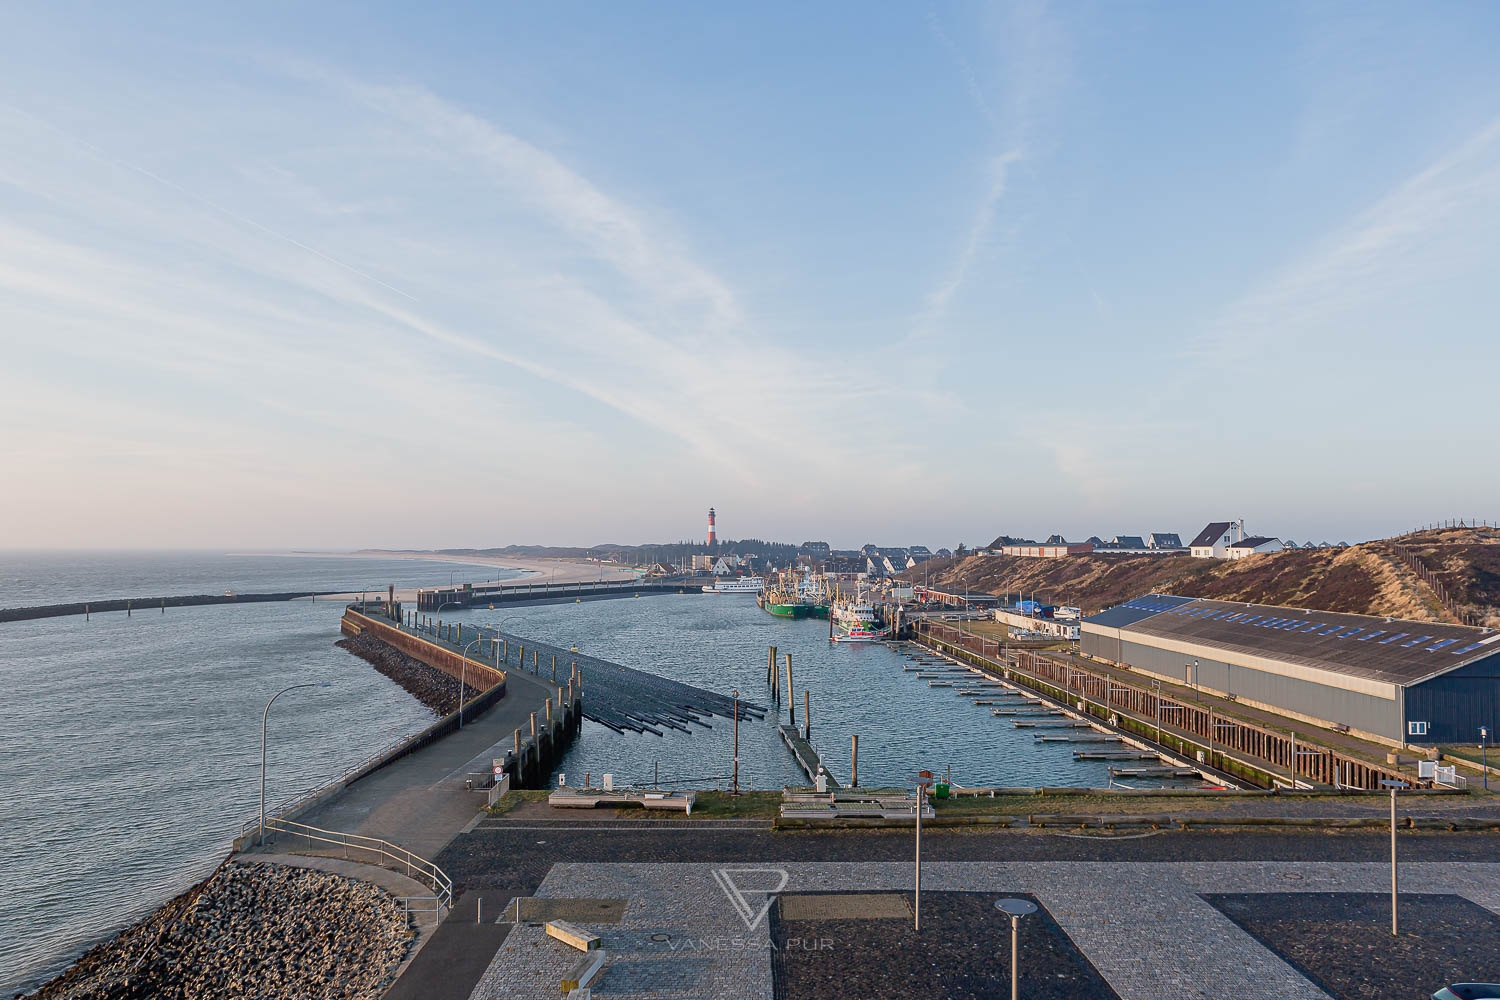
pixel 463 673
pixel 736 741
pixel 1484 758
pixel 1015 909
pixel 1394 786
pixel 1157 684
pixel 261 832
pixel 924 779
pixel 501 628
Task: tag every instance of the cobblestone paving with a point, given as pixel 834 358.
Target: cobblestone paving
pixel 1144 925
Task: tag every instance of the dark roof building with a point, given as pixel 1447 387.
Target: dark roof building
pixel 1396 681
pixel 1164 540
pixel 1212 533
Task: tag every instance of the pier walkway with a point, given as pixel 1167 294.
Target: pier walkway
pixel 420 801
pixel 806 755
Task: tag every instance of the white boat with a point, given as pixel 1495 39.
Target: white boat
pixel 743 585
pixel 855 621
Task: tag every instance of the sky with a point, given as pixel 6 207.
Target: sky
pixel 344 275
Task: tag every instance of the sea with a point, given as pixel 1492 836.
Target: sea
pixel 130 745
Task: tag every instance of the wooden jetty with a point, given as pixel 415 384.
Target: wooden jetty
pixel 1153 772
pixel 806 756
pixel 1078 738
pixel 1050 724
pixel 1115 755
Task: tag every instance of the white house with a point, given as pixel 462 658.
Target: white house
pixel 1254 545
pixel 1213 541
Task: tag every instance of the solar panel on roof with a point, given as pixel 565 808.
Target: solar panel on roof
pixel 1416 642
pixel 1470 646
pixel 1398 635
pixel 1439 645
pixel 1352 631
pixel 1370 635
pixel 1332 630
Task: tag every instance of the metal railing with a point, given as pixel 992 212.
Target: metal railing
pixel 390 855
pixel 1299 757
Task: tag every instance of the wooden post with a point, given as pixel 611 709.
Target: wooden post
pixel 127 609
pixel 549 715
pixel 533 725
pixel 771 667
pixel 791 697
pixel 554 668
pixel 854 768
pixel 518 743
pixel 535 659
pixel 85 612
pixel 807 715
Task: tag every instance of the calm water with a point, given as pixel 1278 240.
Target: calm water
pixel 130 747
pixel 719 643
pixel 32 578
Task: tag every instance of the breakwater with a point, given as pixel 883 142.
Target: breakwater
pixel 251 930
pixel 543 715
pixel 621 698
pixel 428 685
pixel 142 605
pixel 436 599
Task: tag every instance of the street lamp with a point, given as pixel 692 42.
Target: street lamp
pixel 261 834
pixel 736 741
pixel 1394 786
pixel 501 628
pixel 1157 683
pixel 924 779
pixel 1484 759
pixel 463 673
pixel 1016 909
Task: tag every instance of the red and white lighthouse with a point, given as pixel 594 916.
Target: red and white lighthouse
pixel 712 535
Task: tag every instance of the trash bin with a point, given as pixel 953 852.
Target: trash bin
pixel 941 791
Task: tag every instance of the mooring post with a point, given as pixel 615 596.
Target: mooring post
pixel 127 609
pixel 518 743
pixel 85 612
pixel 533 725
pixel 535 660
pixel 807 715
pixel 549 714
pixel 854 767
pixel 554 668
pixel 771 667
pixel 791 693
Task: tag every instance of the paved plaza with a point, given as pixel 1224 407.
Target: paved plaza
pixel 704 928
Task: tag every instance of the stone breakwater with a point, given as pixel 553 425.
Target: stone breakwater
pixel 251 930
pixel 428 685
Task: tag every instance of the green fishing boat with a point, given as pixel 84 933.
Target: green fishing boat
pixel 790 597
pixel 796 609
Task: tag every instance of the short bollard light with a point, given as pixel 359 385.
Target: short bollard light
pixel 1016 908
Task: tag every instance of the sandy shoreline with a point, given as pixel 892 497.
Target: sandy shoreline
pixel 537 570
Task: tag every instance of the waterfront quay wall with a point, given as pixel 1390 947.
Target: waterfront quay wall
pixel 130 605
pixel 436 655
pixel 435 599
pixel 549 724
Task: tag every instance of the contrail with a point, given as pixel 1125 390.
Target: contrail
pixel 213 206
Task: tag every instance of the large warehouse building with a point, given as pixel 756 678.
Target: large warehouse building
pixel 1396 681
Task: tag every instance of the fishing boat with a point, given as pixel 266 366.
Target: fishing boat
pixel 798 597
pixel 856 621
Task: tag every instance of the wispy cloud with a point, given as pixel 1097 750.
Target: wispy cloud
pixel 1028 55
pixel 1422 230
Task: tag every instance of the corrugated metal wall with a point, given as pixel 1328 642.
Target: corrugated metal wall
pixel 1456 704
pixel 1317 701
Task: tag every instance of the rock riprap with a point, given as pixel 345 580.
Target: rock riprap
pixel 251 930
pixel 428 685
